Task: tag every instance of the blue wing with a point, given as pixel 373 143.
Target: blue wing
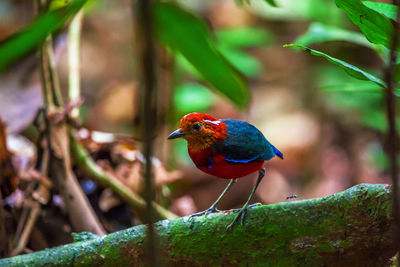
pixel 245 143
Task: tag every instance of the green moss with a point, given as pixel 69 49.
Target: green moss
pixel 83 236
pixel 311 232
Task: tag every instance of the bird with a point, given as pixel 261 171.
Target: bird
pixel 227 149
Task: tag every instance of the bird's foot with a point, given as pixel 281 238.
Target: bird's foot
pixel 241 215
pixel 248 207
pixel 205 212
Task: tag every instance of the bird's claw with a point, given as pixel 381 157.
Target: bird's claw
pixel 241 214
pixel 248 207
pixel 205 212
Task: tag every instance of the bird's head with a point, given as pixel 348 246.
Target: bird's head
pixel 200 131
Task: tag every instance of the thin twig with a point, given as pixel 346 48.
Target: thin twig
pixel 26 233
pixel 66 113
pixel 74 36
pixel 55 88
pixel 44 76
pixel 40 196
pixel 24 215
pixel 391 118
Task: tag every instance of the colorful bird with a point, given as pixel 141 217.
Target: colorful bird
pixel 227 149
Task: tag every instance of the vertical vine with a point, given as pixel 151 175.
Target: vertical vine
pixel 392 135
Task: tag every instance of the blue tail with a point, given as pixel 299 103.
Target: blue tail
pixel 277 152
pixel 272 152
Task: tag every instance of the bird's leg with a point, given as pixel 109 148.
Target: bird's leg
pixel 243 210
pixel 214 206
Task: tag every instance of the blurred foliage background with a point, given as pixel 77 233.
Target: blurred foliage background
pixel 327 119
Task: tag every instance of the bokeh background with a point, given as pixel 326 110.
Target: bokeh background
pixel 329 126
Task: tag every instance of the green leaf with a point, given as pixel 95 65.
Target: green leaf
pixel 318 32
pixel 376 27
pixel 244 37
pixel 272 3
pixel 192 97
pixel 245 63
pixel 388 10
pixel 343 91
pixel 184 64
pixel 313 10
pixel 25 41
pixel 375 119
pixel 360 103
pixel 348 68
pixel 351 87
pixel 187 34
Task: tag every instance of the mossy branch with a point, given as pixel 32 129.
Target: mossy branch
pixel 354 227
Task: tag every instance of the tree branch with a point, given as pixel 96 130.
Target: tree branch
pixel 354 227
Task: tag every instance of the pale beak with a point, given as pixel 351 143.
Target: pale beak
pixel 176 134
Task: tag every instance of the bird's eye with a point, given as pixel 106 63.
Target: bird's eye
pixel 197 127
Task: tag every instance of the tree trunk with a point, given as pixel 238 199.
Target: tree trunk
pixel 354 227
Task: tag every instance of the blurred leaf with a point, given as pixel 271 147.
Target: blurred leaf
pixel 244 36
pixel 181 152
pixel 352 87
pixel 57 4
pixel 184 32
pixel 313 10
pixel 388 10
pixel 375 119
pixel 192 97
pixel 26 40
pixel 185 65
pixel 361 104
pixel 348 68
pixel 272 3
pixel 318 32
pixel 229 40
pixel 376 27
pixel 331 81
pixel 378 156
pixel 245 63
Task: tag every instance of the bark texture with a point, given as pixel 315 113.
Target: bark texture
pixel 351 228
